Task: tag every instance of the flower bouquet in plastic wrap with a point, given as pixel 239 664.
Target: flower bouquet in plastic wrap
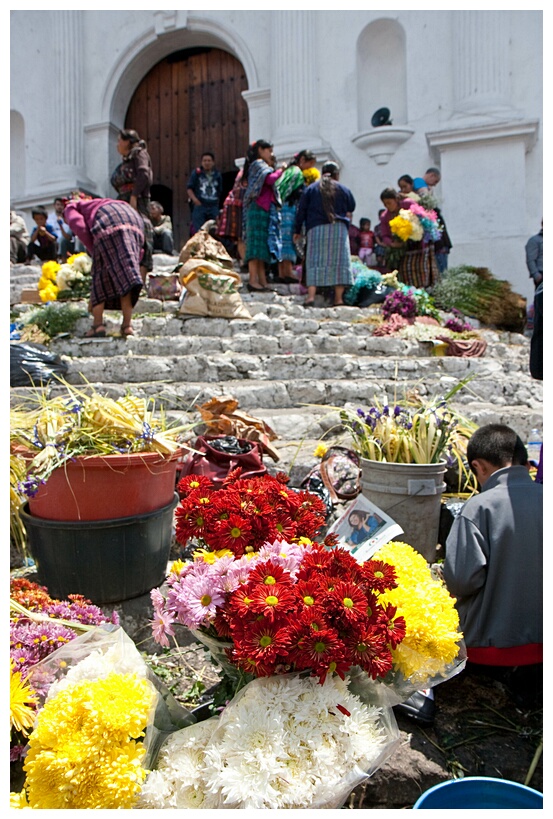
pixel 102 715
pixel 304 627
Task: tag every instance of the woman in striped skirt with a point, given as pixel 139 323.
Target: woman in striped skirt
pixel 325 208
pixel 113 233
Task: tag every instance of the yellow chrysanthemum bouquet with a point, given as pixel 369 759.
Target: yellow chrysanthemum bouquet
pixel 433 649
pixel 101 716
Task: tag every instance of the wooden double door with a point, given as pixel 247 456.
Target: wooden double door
pixel 189 103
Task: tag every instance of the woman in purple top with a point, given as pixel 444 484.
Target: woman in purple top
pixel 113 233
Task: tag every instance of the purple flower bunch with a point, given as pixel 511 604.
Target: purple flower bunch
pixel 198 589
pixel 458 323
pixel 31 642
pixel 400 302
pixel 398 414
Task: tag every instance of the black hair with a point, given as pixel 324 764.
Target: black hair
pixel 388 193
pixel 405 178
pixel 129 135
pixel 39 210
pixel 305 153
pixel 208 153
pixel 434 170
pixel 364 219
pixel 498 444
pixel 359 514
pixel 58 199
pixel 253 153
pixel 329 176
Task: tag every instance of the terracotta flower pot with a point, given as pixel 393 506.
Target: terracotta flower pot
pixel 102 487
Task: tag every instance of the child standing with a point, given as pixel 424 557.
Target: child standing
pixel 366 243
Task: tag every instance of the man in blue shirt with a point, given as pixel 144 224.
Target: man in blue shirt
pixel 424 184
pixel 43 239
pixel 64 234
pixel 205 188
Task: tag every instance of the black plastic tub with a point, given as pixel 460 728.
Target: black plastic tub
pixel 104 560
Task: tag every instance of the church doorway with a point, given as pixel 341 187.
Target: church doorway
pixel 189 103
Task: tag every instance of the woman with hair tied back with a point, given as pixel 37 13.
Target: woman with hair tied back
pixel 290 186
pixel 325 208
pixel 132 179
pixel 261 220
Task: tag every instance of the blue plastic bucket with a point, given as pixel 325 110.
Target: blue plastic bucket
pixel 479 792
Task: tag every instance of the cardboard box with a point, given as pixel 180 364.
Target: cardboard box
pixel 30 296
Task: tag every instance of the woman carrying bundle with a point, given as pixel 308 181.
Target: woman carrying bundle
pixel 290 187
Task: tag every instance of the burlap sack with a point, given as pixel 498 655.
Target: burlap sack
pixel 203 246
pixel 211 291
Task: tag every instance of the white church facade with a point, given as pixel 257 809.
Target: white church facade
pixel 463 90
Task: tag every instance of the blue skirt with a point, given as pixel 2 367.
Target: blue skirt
pixel 327 256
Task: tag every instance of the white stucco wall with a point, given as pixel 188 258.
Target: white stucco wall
pixel 117 48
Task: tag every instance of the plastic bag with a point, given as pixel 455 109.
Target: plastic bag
pixel 164 286
pixel 213 457
pixel 32 364
pixel 394 688
pixel 96 654
pixel 283 742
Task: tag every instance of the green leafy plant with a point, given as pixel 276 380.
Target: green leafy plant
pixel 476 292
pixel 54 318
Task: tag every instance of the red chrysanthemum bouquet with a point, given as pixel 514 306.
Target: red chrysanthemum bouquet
pixel 245 513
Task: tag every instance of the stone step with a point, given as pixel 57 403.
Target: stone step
pixel 163 334
pixel 322 374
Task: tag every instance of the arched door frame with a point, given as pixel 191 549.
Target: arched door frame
pixel 142 54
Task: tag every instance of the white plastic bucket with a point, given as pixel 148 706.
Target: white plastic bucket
pixel 411 495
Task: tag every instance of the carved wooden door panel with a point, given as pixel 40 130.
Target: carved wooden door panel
pixel 188 103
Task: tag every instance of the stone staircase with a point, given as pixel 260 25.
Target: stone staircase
pixel 294 368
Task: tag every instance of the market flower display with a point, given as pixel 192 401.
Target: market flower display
pixel 84 750
pixel 282 743
pixel 287 607
pixel 71 279
pixel 416 224
pixel 84 422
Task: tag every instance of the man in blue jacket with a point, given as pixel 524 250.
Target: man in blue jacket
pixel 205 188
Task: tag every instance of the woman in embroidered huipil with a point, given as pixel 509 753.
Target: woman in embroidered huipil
pixel 132 180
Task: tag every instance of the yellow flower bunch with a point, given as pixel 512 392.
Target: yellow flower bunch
pixel 406 225
pixel 83 752
pixel 320 451
pixel 432 623
pixel 47 287
pixel 311 175
pixel 22 702
pixel 401 227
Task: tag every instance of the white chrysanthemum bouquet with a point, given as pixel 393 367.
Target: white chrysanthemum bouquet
pixel 283 742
